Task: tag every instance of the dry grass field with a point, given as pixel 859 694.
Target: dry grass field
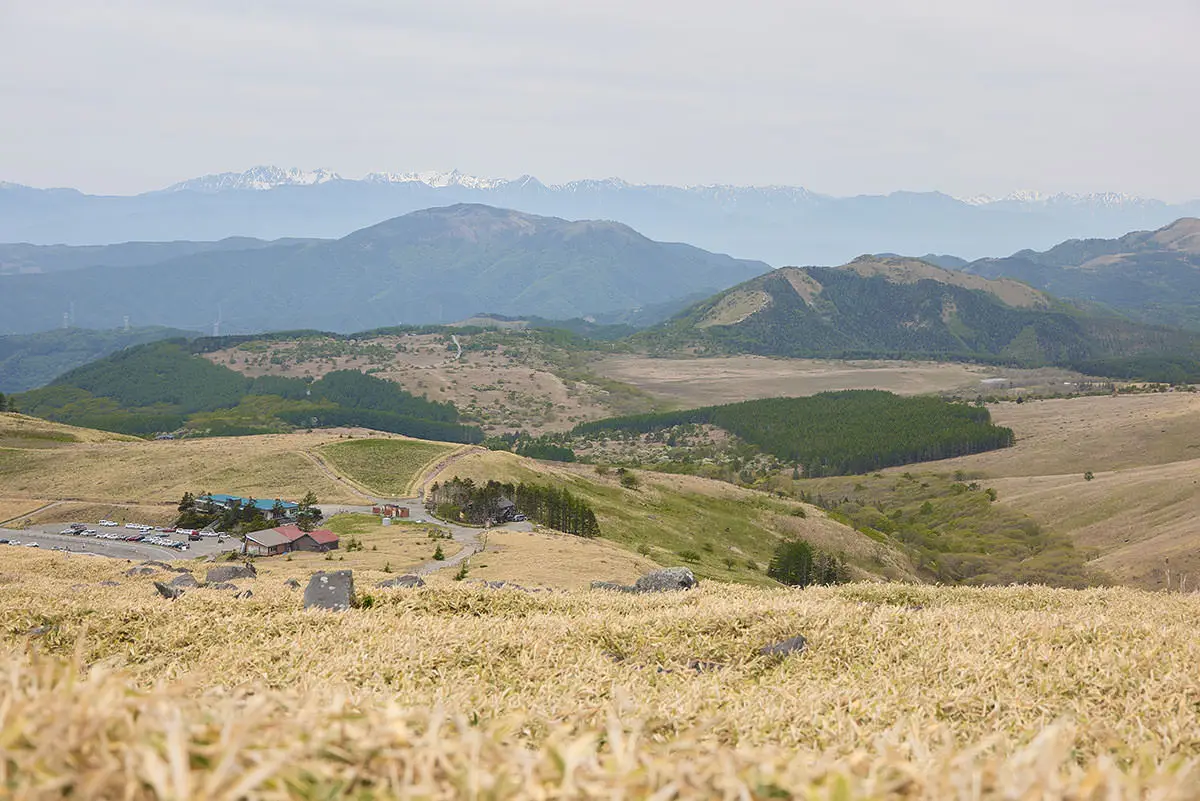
pixel 689 383
pixel 546 558
pixel 1140 515
pixel 133 472
pixel 460 692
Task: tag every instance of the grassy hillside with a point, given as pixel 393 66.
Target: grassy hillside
pixel 719 530
pixel 28 361
pixel 385 467
pixel 886 308
pixel 452 691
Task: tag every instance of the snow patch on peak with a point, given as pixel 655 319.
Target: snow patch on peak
pixel 439 179
pixel 256 178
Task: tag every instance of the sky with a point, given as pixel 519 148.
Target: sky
pixel 840 96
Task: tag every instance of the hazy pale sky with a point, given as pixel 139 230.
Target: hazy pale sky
pixel 841 96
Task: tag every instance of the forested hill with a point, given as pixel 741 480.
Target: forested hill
pixel 837 433
pixel 166 387
pixel 1150 276
pixel 33 360
pixel 433 266
pixel 881 307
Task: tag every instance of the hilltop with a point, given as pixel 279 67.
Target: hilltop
pixel 28 361
pixel 1151 276
pixel 436 265
pixel 904 308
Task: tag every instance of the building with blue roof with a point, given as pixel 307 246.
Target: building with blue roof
pixel 277 509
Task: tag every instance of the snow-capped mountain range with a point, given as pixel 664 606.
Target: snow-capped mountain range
pixel 776 224
pixel 267 177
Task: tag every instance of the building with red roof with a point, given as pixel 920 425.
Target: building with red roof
pixel 290 538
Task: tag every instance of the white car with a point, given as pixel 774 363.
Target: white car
pixel 68 531
pixel 107 523
pixel 133 526
pixel 32 545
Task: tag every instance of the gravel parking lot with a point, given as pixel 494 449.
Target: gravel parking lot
pixel 48 537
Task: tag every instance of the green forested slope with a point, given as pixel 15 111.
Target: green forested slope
pixel 838 312
pixel 836 433
pixel 33 360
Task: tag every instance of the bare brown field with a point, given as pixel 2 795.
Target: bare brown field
pixel 19 430
pixel 453 691
pixel 1140 515
pixel 710 381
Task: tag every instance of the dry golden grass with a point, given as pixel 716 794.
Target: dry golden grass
pixel 549 559
pixel 31 429
pixel 1140 515
pixel 13 508
pixel 459 692
pixel 269 466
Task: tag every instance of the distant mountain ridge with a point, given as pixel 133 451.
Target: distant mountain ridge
pixel 904 308
pixel 1151 276
pixel 775 224
pixel 433 266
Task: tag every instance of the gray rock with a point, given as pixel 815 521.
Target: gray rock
pixel 141 571
pixel 163 566
pixel 110 584
pixel 295 585
pixel 403 581
pixel 792 645
pixel 245 594
pixel 333 590
pixel 38 631
pixel 184 580
pixel 703 666
pixel 219 585
pixel 666 580
pixel 611 586
pixel 229 573
pixel 168 592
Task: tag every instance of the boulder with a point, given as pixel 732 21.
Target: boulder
pixel 295 585
pixel 403 581
pixel 110 584
pixel 168 592
pixel 229 573
pixel 666 580
pixel 792 645
pixel 333 590
pixel 162 566
pixel 143 570
pixel 184 580
pixel 245 594
pixel 220 585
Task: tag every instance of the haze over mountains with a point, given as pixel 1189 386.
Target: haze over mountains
pixel 1153 276
pixel 776 224
pixel 434 266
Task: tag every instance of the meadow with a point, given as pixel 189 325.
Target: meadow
pixel 384 467
pixel 455 691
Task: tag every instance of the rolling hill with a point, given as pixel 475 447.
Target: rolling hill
pixel 877 306
pixel 1150 276
pixel 436 265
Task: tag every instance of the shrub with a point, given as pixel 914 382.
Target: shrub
pixel 629 480
pixel 689 556
pixel 438 555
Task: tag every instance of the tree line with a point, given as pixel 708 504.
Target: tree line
pixel 838 433
pixel 462 499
